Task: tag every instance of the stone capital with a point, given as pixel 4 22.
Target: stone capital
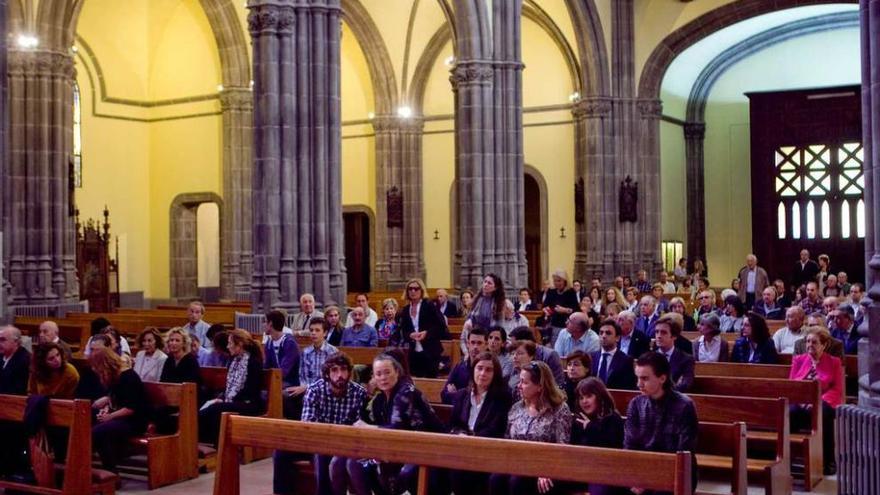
pixel 236 98
pixel 694 130
pixel 471 73
pixel 649 108
pixel 592 108
pixel 270 19
pixel 40 63
pixel 394 123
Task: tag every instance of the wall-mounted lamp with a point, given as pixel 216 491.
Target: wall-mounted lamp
pixel 562 233
pixel 436 235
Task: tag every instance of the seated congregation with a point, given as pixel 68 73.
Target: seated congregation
pixel 618 366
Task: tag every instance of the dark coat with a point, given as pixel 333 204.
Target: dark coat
pixel 765 353
pixel 620 371
pixel 423 363
pixel 638 345
pixel 15 375
pixel 804 274
pixel 681 367
pixel 287 360
pixel 492 419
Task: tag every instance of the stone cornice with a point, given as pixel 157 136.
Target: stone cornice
pixel 592 108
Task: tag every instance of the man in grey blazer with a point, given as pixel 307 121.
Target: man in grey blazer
pixel 307 311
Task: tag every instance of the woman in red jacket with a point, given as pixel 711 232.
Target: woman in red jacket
pixel 816 364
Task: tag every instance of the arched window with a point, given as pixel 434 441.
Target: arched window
pixel 77 136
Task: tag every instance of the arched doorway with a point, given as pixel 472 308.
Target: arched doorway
pixel 358 238
pixel 195 246
pixel 534 216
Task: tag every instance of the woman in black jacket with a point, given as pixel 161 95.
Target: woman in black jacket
pixel 597 424
pixel 490 394
pixel 244 380
pixel 420 331
pixel 755 345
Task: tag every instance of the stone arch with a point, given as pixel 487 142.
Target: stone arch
pixel 182 253
pixel 423 67
pixel 376 53
pixel 591 47
pixel 533 12
pixel 678 41
pixel 473 30
pixel 231 42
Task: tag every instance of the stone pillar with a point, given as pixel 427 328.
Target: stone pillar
pixel 4 153
pixel 40 241
pixel 869 345
pixel 184 256
pixel 594 243
pixel 399 238
pixel 694 137
pixel 489 156
pixel 297 189
pixel 238 256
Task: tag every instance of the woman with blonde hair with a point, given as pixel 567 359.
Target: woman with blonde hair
pixel 181 365
pixel 244 380
pixel 420 329
pixel 540 416
pixel 122 413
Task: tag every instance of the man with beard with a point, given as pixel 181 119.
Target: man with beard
pixel 333 399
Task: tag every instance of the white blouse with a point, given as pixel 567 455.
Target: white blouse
pixel 149 368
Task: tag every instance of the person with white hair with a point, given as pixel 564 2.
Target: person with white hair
pixel 648 316
pixel 752 281
pixel 511 318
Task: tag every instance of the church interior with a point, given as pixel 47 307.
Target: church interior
pixel 243 153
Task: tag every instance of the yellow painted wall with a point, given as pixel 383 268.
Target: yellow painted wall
pixel 147 50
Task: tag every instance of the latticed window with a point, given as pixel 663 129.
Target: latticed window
pixel 77 136
pixel 819 190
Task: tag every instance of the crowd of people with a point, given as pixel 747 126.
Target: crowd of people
pixel 547 383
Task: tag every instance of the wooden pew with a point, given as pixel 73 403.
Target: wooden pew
pixel 79 477
pixel 807 446
pixel 725 443
pixel 761 415
pixel 431 388
pixel 172 457
pixel 657 471
pixel 365 355
pixel 214 379
pixel 75 334
pixel 749 370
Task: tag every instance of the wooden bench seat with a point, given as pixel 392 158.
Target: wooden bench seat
pixel 78 476
pixel 806 447
pixel 657 471
pixel 768 460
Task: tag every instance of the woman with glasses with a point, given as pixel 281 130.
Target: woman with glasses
pixel 420 331
pixel 540 416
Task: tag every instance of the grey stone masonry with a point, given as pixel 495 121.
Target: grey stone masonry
pixel 4 156
pixel 297 191
pixel 238 255
pixel 40 249
pixel 489 153
pixel 869 345
pixel 399 164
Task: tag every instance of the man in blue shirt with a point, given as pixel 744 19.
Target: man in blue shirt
pixel 359 334
pixel 577 336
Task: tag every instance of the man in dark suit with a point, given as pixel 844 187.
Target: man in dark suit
pixel 611 365
pixel 446 307
pixel 460 377
pixel 16 362
pixel 681 364
pixel 632 342
pixel 805 270
pixel 49 333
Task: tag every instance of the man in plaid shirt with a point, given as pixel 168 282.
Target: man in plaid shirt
pixel 333 399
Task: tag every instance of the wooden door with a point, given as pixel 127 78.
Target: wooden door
pixel 357 251
pixel 807 179
pixel 533 231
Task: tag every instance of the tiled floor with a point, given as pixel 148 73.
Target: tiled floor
pixel 256 479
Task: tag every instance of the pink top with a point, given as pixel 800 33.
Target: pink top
pixel 828 372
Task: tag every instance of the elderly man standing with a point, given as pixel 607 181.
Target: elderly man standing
pixel 196 325
pixel 752 281
pixel 49 334
pixel 307 311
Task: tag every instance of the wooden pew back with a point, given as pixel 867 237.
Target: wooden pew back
pixel 658 471
pixel 76 416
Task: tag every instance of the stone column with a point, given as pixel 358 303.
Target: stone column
pixel 237 105
pixel 297 189
pixel 594 166
pixel 694 137
pixel 489 157
pixel 4 153
pixel 40 242
pixel 869 345
pixel 398 171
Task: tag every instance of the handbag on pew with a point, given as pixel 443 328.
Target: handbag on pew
pixel 42 459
